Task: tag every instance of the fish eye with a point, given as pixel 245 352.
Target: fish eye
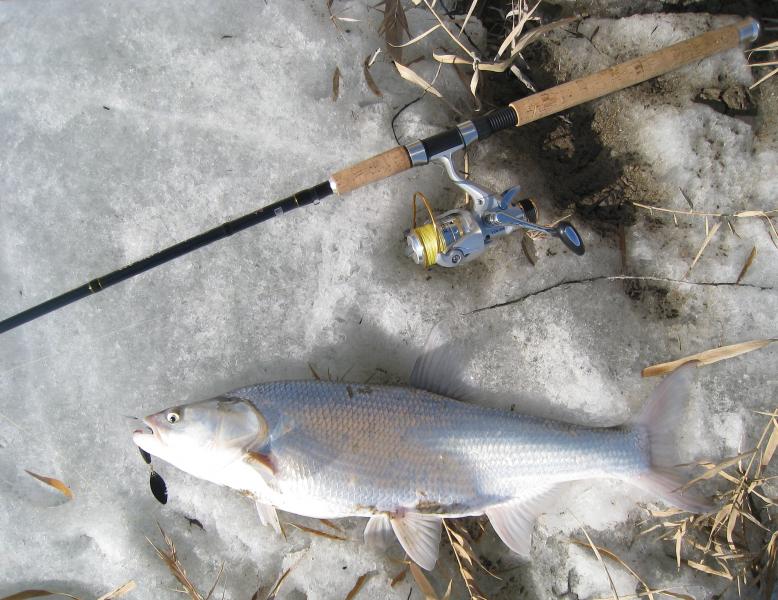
pixel 173 417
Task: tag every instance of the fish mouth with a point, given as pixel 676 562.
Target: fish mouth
pixel 138 435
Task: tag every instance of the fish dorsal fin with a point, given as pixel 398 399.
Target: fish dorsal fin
pixel 419 536
pixel 378 532
pixel 268 516
pixel 438 369
pixel 514 520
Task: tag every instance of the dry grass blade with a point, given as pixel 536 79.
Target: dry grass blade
pixel 718 468
pixel 410 75
pixel 170 558
pixel 277 585
pixel 763 79
pixel 447 595
pixel 400 577
pixel 465 559
pixel 331 525
pixel 503 65
pixel 747 264
pixel 467 17
pixel 123 589
pixel 516 31
pixel 769 450
pixel 419 37
pixel 706 241
pixel 369 78
pixel 448 31
pixel 421 580
pixel 24 595
pixel 336 84
pixel 708 356
pixel 55 483
pixel 318 532
pixel 392 27
pixel 612 555
pixel 215 582
pixel 770 47
pixel 596 551
pixel 358 585
pixel 709 570
pixel 528 247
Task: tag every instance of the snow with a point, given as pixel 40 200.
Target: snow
pixel 128 127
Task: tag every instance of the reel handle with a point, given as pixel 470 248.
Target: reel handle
pixel 570 237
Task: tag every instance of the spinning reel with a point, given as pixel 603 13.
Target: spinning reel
pixel 458 236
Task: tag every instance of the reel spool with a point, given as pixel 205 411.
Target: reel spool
pixel 458 236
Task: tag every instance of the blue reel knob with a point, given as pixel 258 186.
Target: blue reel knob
pixel 570 237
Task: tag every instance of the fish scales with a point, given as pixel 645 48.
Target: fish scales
pixel 377 448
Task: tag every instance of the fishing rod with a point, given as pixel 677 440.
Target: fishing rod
pixel 455 237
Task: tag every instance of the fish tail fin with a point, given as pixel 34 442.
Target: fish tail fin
pixel 659 419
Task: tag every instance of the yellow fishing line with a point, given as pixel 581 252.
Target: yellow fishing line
pixel 429 235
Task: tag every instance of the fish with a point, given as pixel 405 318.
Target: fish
pixel 408 457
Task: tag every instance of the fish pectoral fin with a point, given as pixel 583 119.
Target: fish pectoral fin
pixel 514 520
pixel 419 536
pixel 269 516
pixel 378 532
pixel 261 461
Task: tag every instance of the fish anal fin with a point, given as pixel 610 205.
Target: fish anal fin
pixel 669 484
pixel 260 460
pixel 269 516
pixel 378 532
pixel 513 521
pixel 419 536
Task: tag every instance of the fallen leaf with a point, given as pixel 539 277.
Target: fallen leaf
pixel 277 586
pixel 313 531
pixel 708 356
pixel 528 246
pixel 392 27
pixel 119 592
pixel 706 569
pixel 398 578
pixel 705 243
pixel 335 84
pixel 36 594
pixel 369 78
pixel 55 483
pixel 715 470
pixel 772 443
pixel 747 264
pixel 424 584
pixel 358 585
pixel 410 75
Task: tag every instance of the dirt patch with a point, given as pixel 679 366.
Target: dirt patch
pixel 660 303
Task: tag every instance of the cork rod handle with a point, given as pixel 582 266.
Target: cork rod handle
pixel 632 72
pixel 368 171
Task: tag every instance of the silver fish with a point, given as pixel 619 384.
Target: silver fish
pixel 407 457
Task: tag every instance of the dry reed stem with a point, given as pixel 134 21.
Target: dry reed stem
pixel 465 558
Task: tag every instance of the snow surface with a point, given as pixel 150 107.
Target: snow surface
pixel 129 126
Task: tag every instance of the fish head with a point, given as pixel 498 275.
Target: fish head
pixel 203 437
